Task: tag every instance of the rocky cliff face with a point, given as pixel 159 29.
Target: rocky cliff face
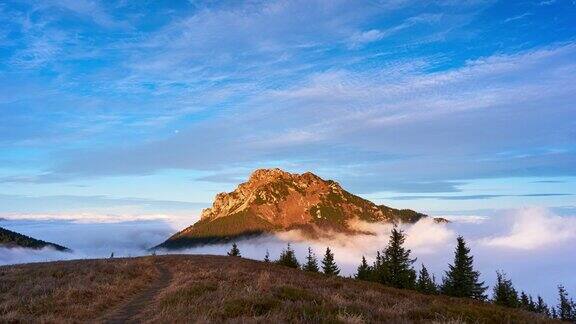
pixel 274 200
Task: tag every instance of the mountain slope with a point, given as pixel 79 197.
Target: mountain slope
pixel 273 200
pixel 218 289
pixel 12 239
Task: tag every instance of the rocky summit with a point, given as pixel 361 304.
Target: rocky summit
pixel 274 200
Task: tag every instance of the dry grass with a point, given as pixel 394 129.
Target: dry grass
pixel 227 289
pixel 207 289
pixel 70 291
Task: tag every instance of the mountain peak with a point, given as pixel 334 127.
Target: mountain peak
pixel 274 200
pixel 266 187
pixel 267 174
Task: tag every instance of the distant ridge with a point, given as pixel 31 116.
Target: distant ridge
pixel 12 239
pixel 273 200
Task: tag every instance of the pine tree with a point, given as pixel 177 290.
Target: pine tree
pixel 379 269
pixel 267 257
pixel 553 312
pixel 311 262
pixel 400 273
pixel 524 301
pixel 234 251
pixel 461 279
pixel 531 304
pixel 329 267
pixel 504 292
pixel 288 258
pixel 566 307
pixel 541 307
pixel 364 271
pixel 425 283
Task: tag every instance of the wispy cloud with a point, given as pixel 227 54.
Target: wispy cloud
pixel 476 197
pixel 66 206
pixel 388 96
pixel 359 39
pixel 381 115
pixel 524 15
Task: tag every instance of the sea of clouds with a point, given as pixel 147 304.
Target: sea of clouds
pixel 534 246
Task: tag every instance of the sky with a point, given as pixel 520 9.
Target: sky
pixel 113 112
pixel 130 106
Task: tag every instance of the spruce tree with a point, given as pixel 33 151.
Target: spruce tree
pixel 267 256
pixel 379 269
pixel 234 251
pixel 553 312
pixel 566 307
pixel 311 262
pixel 329 267
pixel 400 273
pixel 526 302
pixel 531 304
pixel 504 292
pixel 461 280
pixel 426 284
pixel 288 258
pixel 364 271
pixel 541 307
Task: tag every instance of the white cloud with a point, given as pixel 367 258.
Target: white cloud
pixel 427 236
pixel 524 15
pixel 361 38
pixel 366 37
pixel 535 228
pixel 474 219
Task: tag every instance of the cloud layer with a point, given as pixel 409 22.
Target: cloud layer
pixel 524 243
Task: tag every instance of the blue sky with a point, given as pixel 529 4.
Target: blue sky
pixel 149 107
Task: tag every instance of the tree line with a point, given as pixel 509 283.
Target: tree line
pixel 393 267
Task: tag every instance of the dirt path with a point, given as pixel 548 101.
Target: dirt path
pixel 132 308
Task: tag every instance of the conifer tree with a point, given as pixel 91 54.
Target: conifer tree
pixel 288 258
pixel 504 292
pixel 267 256
pixel 311 262
pixel 379 269
pixel 566 307
pixel 234 251
pixel 425 283
pixel 329 267
pixel 400 273
pixel 524 301
pixel 364 271
pixel 527 302
pixel 541 307
pixel 461 280
pixel 378 260
pixel 531 304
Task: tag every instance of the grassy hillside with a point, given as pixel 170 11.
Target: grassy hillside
pixel 222 289
pixel 69 291
pixel 12 239
pixel 222 230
